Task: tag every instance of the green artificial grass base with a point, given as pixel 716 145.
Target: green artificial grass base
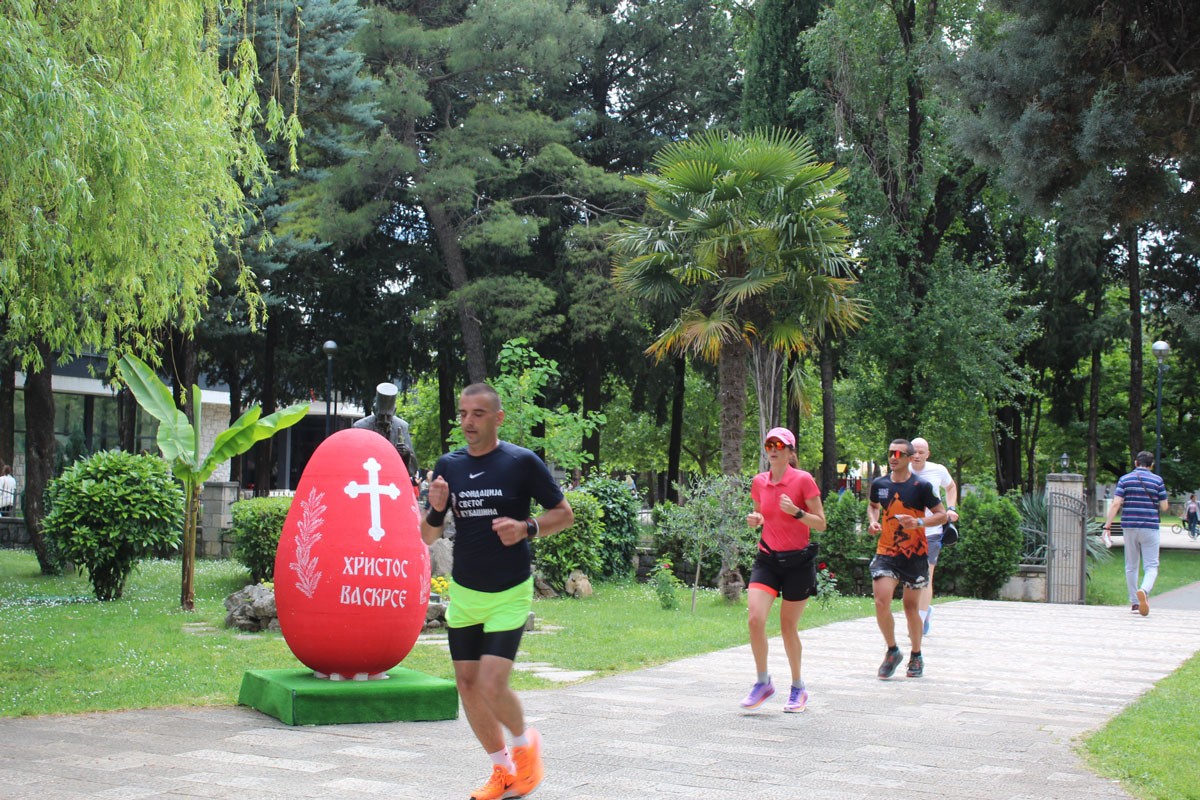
pixel 297 697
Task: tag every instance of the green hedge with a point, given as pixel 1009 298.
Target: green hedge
pixel 989 552
pixel 578 547
pixel 109 511
pixel 619 510
pixel 845 541
pixel 257 525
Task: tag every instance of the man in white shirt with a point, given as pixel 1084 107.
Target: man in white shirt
pixel 939 477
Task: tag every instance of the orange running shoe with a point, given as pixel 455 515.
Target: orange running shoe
pixel 530 769
pixel 498 787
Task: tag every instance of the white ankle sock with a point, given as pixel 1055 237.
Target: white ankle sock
pixel 501 758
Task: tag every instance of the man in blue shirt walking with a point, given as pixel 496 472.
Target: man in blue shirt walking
pixel 1140 497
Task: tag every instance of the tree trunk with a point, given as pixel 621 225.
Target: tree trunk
pixel 1007 442
pixel 233 378
pixel 264 451
pixel 187 591
pixel 1093 430
pixel 792 410
pixel 447 402
pixel 731 395
pixel 40 446
pixel 456 267
pixel 127 409
pixel 675 447
pixel 829 452
pixel 8 404
pixel 592 403
pixel 768 387
pixel 1136 395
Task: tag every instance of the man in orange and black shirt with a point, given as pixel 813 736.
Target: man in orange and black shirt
pixel 896 514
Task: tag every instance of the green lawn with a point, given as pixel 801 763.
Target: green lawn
pixel 1148 746
pixel 1106 586
pixel 63 652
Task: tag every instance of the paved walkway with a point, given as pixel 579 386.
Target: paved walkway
pixel 1009 688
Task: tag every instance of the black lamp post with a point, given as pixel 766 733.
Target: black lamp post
pixel 1160 349
pixel 330 347
pixel 1064 461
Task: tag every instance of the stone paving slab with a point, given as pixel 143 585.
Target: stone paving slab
pixel 1009 689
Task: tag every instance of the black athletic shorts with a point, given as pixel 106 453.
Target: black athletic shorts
pixel 795 583
pixel 912 571
pixel 472 643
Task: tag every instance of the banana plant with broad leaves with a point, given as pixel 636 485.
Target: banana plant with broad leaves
pixel 180 443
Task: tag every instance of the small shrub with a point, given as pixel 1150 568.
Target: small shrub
pixel 578 547
pixel 109 511
pixel 989 552
pixel 666 585
pixel 257 525
pixel 708 528
pixel 845 539
pixel 827 585
pixel 619 509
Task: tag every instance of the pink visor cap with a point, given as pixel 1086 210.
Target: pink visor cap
pixel 783 435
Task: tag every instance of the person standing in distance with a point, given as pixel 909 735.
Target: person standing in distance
pixel 787 505
pixel 488 485
pixel 1140 497
pixel 897 514
pixel 1191 513
pixel 939 477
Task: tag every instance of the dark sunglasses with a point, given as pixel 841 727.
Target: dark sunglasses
pixel 897 454
pixel 774 444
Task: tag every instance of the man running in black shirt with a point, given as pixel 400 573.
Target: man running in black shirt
pixel 902 552
pixel 489 485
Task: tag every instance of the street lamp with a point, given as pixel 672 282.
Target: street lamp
pixel 1065 461
pixel 1161 350
pixel 330 347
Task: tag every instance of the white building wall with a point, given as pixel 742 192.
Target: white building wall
pixel 214 418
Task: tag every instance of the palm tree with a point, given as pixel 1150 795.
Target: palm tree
pixel 743 236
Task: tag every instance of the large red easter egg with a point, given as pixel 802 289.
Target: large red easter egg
pixel 351 571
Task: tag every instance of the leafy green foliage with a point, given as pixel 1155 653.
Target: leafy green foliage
pixel 744 243
pixel 126 148
pixel 827 584
pixel 844 542
pixel 180 445
pixel 257 525
pixel 619 508
pixel 576 548
pixel 707 532
pixel 111 510
pixel 666 585
pixel 989 552
pixel 521 384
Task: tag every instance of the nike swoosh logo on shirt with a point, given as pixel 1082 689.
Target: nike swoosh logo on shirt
pixel 475 475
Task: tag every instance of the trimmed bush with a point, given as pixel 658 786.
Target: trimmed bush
pixel 578 547
pixel 109 511
pixel 619 509
pixel 845 539
pixel 257 525
pixel 989 552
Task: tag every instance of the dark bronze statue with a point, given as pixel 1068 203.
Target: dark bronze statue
pixel 385 422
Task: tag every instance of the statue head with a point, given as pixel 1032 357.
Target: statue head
pixel 385 401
